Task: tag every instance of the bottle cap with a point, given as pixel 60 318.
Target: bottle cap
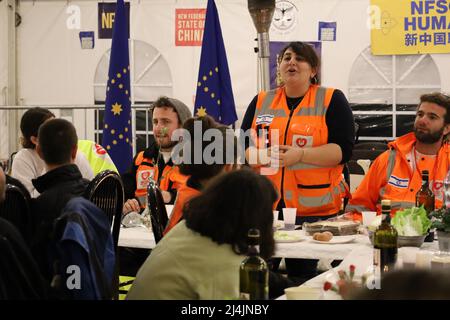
pixel 386 202
pixel 253 233
pixel 253 237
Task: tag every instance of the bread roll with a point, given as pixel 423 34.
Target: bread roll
pixel 323 236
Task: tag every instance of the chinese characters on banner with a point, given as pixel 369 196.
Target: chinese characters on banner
pixel 410 26
pixel 189 25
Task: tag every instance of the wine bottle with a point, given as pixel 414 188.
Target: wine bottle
pixel 385 241
pixel 425 197
pixel 253 271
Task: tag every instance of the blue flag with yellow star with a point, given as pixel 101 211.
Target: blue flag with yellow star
pixel 117 137
pixel 214 93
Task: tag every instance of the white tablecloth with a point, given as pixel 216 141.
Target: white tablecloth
pixel 307 249
pixel 138 237
pixel 361 257
pixel 141 237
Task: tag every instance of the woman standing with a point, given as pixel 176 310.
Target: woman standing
pixel 307 131
pixel 304 133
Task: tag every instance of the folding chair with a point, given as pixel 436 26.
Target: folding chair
pixel 106 192
pixel 16 209
pixel 157 209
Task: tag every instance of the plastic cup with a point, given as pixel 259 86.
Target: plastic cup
pixel 289 216
pixel 275 218
pixel 367 217
pixel 408 256
pixel 303 293
pixel 423 259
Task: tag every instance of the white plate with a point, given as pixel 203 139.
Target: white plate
pixel 287 236
pixel 337 240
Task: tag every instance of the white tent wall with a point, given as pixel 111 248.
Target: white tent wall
pixel 3 51
pixel 54 70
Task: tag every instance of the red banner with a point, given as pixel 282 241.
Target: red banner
pixel 189 25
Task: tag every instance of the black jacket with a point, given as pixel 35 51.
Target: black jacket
pixel 56 188
pixel 19 275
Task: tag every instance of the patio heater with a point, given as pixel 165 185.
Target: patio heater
pixel 261 12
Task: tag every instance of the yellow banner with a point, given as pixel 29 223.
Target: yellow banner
pixel 409 26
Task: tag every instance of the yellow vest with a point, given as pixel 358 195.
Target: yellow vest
pixel 98 158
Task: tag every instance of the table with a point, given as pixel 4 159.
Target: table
pixel 362 258
pixel 141 237
pixel 307 249
pixel 138 237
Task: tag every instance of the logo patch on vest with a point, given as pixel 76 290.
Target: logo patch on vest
pixel 437 188
pixel 98 149
pixel 398 182
pixel 264 119
pixel 143 178
pixel 302 141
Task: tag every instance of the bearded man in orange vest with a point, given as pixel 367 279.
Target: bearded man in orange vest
pixel 155 162
pixel 396 173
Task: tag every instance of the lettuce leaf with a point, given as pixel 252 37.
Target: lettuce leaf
pixel 411 222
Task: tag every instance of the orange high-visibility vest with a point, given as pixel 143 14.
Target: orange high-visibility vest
pixel 171 178
pixel 313 190
pixel 390 177
pixel 184 194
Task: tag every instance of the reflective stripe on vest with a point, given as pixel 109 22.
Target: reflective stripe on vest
pixel 322 200
pixel 265 108
pixel 390 168
pixel 309 200
pixel 399 204
pixel 358 208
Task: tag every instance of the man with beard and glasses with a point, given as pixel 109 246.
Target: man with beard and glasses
pixel 396 173
pixel 155 162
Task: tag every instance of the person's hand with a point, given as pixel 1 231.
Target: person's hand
pixel 288 155
pixel 131 205
pixel 167 196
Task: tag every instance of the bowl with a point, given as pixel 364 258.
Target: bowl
pixel 410 241
pixel 404 241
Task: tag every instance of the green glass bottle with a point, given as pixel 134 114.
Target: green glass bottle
pixel 253 272
pixel 385 241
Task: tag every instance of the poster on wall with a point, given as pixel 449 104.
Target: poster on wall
pixel 410 26
pixel 275 47
pixel 189 25
pixel 106 13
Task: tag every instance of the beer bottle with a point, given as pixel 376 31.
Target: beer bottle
pixel 385 241
pixel 425 197
pixel 253 271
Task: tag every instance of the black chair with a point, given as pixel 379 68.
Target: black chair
pixel 157 209
pixel 371 145
pixel 355 168
pixel 16 209
pixel 106 192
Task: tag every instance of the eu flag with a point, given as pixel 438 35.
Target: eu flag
pixel 117 137
pixel 214 93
